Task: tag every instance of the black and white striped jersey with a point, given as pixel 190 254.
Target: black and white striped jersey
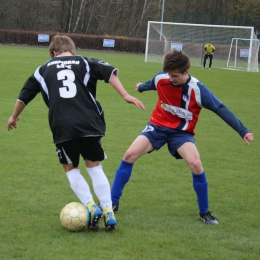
pixel 68 87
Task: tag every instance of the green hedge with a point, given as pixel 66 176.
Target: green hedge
pixel 82 41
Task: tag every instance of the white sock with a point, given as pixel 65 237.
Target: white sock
pixel 79 186
pixel 101 185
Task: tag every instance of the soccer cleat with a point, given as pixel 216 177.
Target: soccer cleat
pixel 203 68
pixel 208 218
pixel 115 207
pixel 209 68
pixel 109 219
pixel 94 215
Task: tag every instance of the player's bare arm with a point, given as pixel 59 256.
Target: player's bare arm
pixel 18 108
pixel 130 99
pixel 248 138
pixel 115 82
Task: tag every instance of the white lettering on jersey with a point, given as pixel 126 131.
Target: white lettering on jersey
pixel 62 66
pixel 63 63
pixel 177 111
pixel 103 63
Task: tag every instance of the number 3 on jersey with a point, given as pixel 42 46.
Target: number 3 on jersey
pixel 69 90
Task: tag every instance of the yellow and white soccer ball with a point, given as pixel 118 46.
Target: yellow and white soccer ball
pixel 74 216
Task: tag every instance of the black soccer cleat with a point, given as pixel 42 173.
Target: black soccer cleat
pixel 208 218
pixel 115 207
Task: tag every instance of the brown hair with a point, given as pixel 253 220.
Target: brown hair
pixel 62 43
pixel 176 60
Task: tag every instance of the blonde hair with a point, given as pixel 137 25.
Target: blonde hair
pixel 62 43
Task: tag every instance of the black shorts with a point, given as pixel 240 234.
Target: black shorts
pixel 89 148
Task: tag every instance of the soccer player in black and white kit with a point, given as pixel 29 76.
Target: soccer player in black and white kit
pixel 68 84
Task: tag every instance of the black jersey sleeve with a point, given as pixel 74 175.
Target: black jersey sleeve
pixel 30 89
pixel 100 69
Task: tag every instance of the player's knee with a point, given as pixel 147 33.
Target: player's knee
pixel 130 156
pixel 196 166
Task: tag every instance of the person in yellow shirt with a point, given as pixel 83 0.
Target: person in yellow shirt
pixel 209 48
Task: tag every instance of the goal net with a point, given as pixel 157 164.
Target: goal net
pixel 241 57
pixel 191 38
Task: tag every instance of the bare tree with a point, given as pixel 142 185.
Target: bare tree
pixel 146 5
pixel 123 17
pixel 79 15
pixel 70 8
pixel 92 7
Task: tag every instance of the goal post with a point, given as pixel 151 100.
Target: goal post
pixel 243 54
pixel 191 38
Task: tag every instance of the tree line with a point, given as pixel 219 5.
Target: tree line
pixel 120 17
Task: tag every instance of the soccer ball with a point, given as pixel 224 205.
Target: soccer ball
pixel 74 216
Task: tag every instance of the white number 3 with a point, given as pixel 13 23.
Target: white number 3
pixel 69 90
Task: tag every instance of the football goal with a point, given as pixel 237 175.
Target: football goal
pixel 240 55
pixel 236 46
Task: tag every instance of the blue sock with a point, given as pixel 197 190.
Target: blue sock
pixel 122 176
pixel 200 186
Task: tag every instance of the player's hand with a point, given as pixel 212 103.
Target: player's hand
pixel 137 86
pixel 12 123
pixel 249 137
pixel 130 99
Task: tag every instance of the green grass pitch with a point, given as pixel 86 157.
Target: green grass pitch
pixel 158 216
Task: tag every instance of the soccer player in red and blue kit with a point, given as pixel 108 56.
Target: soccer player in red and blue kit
pixel 180 100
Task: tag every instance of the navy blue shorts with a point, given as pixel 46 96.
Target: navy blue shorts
pixel 159 136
